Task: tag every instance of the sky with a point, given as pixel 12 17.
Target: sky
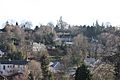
pixel 74 12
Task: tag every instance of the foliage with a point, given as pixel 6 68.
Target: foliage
pixel 82 73
pixel 35 70
pixel 30 76
pixel 79 50
pixel 117 65
pixel 44 67
pixel 44 34
pixel 103 72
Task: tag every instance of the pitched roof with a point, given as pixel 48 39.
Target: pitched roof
pixel 16 62
pixel 54 64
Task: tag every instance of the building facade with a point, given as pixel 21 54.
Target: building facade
pixel 8 68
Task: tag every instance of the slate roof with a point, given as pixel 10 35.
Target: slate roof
pixel 54 64
pixel 15 62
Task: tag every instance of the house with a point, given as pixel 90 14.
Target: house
pixel 92 62
pixel 8 68
pixel 89 61
pixel 55 67
pixel 1 53
pixel 38 46
pixel 71 71
pixel 57 41
pixel 64 37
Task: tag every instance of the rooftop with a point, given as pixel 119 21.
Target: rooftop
pixel 16 62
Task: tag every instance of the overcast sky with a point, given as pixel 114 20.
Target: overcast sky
pixel 74 12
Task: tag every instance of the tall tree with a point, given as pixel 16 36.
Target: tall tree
pixel 35 70
pixel 117 65
pixel 81 46
pixel 61 23
pixel 82 73
pixel 44 67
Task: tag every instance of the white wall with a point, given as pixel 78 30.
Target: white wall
pixel 11 69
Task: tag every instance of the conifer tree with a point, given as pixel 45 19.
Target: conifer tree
pixel 44 67
pixel 82 73
pixel 117 64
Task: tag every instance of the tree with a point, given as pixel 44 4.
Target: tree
pixel 103 72
pixel 117 71
pixel 44 34
pixel 78 51
pixel 26 25
pixel 16 23
pixel 50 24
pixel 80 47
pixel 97 24
pixel 30 76
pixel 111 52
pixel 35 70
pixel 109 42
pixel 73 57
pixel 42 56
pixel 82 73
pixel 44 67
pixel 61 24
pixel 117 65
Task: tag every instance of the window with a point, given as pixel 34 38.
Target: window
pixel 4 67
pixel 13 66
pixel 1 72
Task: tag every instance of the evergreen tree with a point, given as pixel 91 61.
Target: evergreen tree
pixel 44 67
pixel 97 24
pixel 117 65
pixel 117 71
pixel 82 73
pixel 30 76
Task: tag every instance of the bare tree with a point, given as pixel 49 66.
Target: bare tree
pixel 109 42
pixel 78 51
pixel 103 72
pixel 81 45
pixel 35 69
pixel 26 25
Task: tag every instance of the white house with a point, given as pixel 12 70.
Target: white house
pixel 8 68
pixel 38 46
